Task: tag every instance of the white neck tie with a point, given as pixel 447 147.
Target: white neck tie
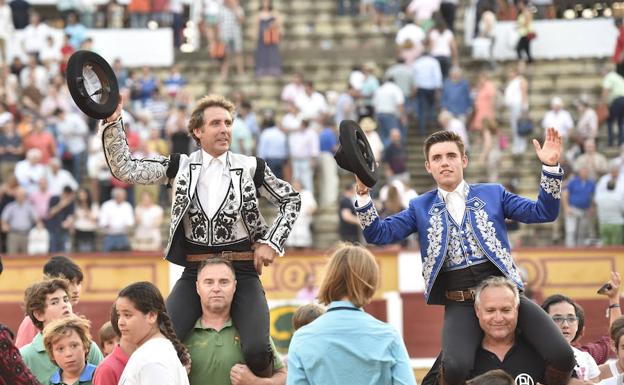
pixel 455 206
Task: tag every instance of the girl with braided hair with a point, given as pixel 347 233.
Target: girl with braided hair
pixel 160 357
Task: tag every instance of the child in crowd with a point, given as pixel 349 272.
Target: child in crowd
pixel 306 314
pixel 614 368
pixel 109 371
pixel 57 266
pixel 47 301
pixel 67 342
pixel 108 338
pixel 160 357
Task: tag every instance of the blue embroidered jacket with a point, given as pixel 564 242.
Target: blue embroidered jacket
pixel 487 207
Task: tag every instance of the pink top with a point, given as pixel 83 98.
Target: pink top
pixel 484 105
pixel 26 333
pixel 109 370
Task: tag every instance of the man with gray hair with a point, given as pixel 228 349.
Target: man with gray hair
pixel 496 306
pixel 503 347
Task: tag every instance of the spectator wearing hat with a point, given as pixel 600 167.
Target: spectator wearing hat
pixel 558 118
pixel 369 127
pixel 388 103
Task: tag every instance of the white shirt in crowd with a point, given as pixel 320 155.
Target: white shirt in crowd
pixel 291 91
pixel 411 32
pixel 73 131
pixel 427 73
pixel 57 181
pixel 213 183
pixel 34 37
pixel 441 42
pixel 586 367
pixel 388 99
pixel 561 120
pixel 28 175
pixel 154 362
pixel 455 125
pixel 311 106
pixel 116 218
pixel 291 122
pixel 304 144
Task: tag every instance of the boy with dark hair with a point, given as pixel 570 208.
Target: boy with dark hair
pixel 46 301
pixel 57 266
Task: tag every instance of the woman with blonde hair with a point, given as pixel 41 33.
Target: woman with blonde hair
pixel 346 345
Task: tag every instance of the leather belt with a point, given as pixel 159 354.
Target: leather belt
pixel 229 255
pixel 461 295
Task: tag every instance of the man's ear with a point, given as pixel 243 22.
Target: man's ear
pixel 464 161
pixel 39 315
pixel 427 167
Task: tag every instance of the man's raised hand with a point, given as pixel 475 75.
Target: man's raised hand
pixel 550 152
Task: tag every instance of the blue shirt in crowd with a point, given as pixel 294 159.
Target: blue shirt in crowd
pixel 580 192
pixel 456 97
pixel 328 140
pixel 348 346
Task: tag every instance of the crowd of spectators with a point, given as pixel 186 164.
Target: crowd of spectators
pixel 50 153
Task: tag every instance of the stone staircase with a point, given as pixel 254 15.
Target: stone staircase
pixel 324 47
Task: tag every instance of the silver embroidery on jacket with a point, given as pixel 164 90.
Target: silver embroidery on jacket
pixel 488 232
pixel 551 186
pixel 367 217
pixel 434 238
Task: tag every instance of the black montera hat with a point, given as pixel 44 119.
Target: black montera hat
pixel 92 84
pixel 355 154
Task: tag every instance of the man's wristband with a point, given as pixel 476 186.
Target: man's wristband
pixel 614 305
pixel 550 165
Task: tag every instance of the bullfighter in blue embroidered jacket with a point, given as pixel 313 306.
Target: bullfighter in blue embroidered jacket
pixel 463 240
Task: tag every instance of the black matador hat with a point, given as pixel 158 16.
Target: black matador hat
pixel 92 84
pixel 355 154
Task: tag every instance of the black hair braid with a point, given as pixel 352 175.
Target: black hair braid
pixel 166 328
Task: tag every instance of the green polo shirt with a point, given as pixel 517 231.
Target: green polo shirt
pixel 37 360
pixel 213 353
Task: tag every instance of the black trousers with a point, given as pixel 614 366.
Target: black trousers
pixel 250 312
pixel 524 44
pixel 461 336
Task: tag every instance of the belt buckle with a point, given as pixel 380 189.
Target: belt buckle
pixel 227 254
pixel 461 294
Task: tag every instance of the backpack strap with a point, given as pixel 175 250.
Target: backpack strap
pixel 258 177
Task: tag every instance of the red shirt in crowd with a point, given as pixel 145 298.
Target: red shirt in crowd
pixel 109 370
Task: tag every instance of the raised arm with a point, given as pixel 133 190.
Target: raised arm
pixel 152 170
